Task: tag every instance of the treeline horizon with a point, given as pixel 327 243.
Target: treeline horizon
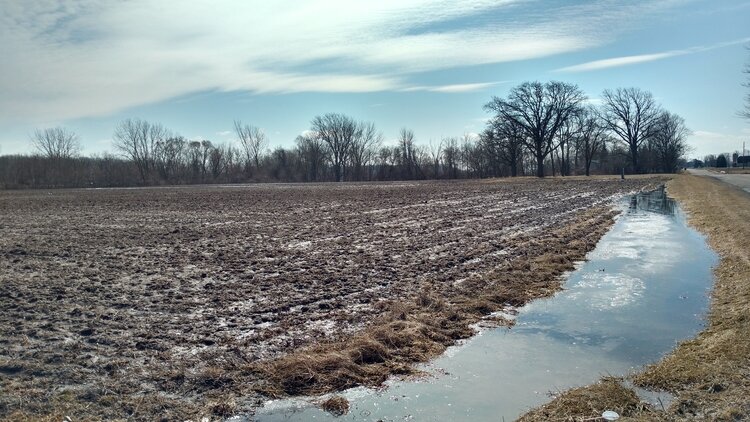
pixel 539 129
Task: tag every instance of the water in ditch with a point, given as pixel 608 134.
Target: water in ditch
pixel 644 288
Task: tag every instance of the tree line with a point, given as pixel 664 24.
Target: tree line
pixel 538 129
pixel 735 159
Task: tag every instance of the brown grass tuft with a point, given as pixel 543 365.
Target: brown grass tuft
pixel 588 403
pixel 224 407
pixel 314 372
pixel 212 378
pixel 367 351
pixel 336 405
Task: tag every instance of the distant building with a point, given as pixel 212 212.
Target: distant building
pixel 743 161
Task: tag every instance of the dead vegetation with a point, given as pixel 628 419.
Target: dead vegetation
pixel 336 405
pixel 201 301
pixel 588 403
pixel 710 374
pixel 417 331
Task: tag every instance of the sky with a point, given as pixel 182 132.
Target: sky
pixel 428 65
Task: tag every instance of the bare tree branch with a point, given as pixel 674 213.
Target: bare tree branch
pixel 56 143
pixel 137 140
pixel 539 110
pixel 338 132
pixel 253 141
pixel 630 113
pixel 364 147
pixel 669 140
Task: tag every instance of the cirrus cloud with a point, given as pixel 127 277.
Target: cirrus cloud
pixel 643 58
pixel 70 59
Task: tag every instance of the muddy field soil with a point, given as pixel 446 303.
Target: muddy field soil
pixel 137 303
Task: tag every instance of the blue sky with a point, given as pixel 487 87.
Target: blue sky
pixel 426 65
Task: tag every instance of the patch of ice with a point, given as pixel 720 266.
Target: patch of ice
pixel 604 291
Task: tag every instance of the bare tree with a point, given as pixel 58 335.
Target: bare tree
pixel 229 162
pixel 421 161
pixel 474 156
pixel 168 155
pixel 592 136
pixel 539 110
pixel 338 132
pixel 630 114
pixel 451 156
pixel 253 141
pixel 669 139
pixel 503 140
pixel 281 164
pixel 206 148
pixel 435 152
pixel 406 148
pixel 385 162
pixel 313 155
pixel 194 158
pixel 56 143
pixel 566 140
pixel 136 139
pixel 364 147
pixel 217 161
pixel 468 151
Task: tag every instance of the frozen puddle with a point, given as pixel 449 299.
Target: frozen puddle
pixel 644 288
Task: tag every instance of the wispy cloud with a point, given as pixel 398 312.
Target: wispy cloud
pixel 454 88
pixel 68 59
pixel 619 61
pixel 643 58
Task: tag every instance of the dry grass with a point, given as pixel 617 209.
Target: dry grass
pixel 417 331
pixel 336 405
pixel 710 374
pixel 588 403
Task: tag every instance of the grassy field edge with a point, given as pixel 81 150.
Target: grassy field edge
pixel 709 374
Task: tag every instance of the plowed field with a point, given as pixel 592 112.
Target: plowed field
pixel 138 303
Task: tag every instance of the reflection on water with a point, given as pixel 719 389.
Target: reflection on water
pixel 653 201
pixel 642 289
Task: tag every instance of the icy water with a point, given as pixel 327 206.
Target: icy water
pixel 644 288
